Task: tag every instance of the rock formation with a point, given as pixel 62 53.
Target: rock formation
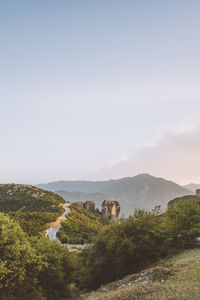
pixel 79 204
pixel 89 205
pixel 110 209
pixel 185 198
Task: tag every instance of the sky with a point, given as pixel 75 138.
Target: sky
pixel 95 90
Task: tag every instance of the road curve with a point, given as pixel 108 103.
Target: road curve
pixel 51 232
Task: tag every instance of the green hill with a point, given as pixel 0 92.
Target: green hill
pixel 30 206
pixel 19 197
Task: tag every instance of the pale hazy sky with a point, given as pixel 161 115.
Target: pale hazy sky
pixel 99 89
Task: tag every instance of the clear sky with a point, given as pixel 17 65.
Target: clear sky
pixel 99 89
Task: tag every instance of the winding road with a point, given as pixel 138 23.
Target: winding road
pixel 51 232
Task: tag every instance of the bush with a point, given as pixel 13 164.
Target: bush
pixel 139 241
pixel 181 225
pixel 124 248
pixel 59 267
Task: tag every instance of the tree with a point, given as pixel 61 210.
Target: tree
pixel 58 273
pixel 124 248
pixel 19 264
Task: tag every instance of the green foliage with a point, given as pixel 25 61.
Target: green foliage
pixel 81 226
pixel 32 269
pixel 19 265
pixel 124 248
pixel 59 267
pixel 31 207
pixel 181 225
pixel 134 243
pixel 33 223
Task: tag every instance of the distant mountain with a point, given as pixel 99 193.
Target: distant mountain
pixel 141 191
pixel 192 187
pixel 78 186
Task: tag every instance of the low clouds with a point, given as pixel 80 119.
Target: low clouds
pixel 174 156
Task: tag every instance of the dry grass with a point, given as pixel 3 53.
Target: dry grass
pixel 177 278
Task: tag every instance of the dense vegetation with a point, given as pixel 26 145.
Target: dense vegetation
pixel 81 226
pixel 139 241
pixel 32 269
pixel 34 223
pixel 31 207
pixel 36 268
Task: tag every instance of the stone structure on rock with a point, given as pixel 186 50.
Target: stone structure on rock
pixel 185 198
pixel 110 209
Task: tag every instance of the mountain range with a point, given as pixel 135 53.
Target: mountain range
pixel 141 191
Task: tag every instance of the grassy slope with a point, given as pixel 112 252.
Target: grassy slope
pixel 175 279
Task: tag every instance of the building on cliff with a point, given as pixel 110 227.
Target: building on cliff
pixel 185 198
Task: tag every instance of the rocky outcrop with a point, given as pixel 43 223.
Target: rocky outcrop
pixel 89 205
pixel 185 198
pixel 79 204
pixel 110 209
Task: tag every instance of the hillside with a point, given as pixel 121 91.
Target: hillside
pixel 81 226
pixel 141 191
pixel 176 278
pixel 30 206
pixel 19 197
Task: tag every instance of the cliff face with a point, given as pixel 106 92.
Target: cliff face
pixel 110 209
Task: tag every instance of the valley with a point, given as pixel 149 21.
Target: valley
pixel 138 192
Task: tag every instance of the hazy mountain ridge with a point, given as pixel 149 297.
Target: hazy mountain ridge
pixel 192 187
pixel 141 191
